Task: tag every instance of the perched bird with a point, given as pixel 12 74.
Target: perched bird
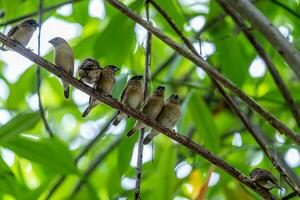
pixel 64 59
pixel 132 96
pixel 22 32
pixel 151 108
pixel 168 116
pixel 104 84
pixel 264 179
pixel 89 70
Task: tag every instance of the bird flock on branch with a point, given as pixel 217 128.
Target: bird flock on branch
pixel 103 80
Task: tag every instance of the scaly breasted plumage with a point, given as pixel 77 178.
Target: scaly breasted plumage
pixel 167 117
pixel 64 59
pixel 104 84
pixel 89 70
pixel 132 96
pixel 151 108
pixel 22 32
pixel 264 178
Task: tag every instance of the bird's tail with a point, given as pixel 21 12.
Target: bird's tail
pixel 119 118
pixel 137 126
pixel 150 136
pixel 66 90
pixel 87 110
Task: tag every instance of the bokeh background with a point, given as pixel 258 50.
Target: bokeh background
pixel 31 163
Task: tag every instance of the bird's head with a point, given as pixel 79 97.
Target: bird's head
pixel 137 79
pixel 57 41
pixel 160 90
pixel 91 61
pixel 112 68
pixel 29 23
pixel 174 99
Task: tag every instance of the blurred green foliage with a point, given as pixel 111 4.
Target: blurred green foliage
pixel 30 162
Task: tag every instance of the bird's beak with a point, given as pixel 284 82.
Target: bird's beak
pixel 50 41
pixel 116 69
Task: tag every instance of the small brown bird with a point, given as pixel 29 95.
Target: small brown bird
pixel 22 32
pixel 89 70
pixel 168 116
pixel 132 96
pixel 104 84
pixel 264 178
pixel 151 108
pixel 64 59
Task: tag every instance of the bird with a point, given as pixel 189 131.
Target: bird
pixel 168 116
pixel 105 84
pixel 89 70
pixel 151 108
pixel 64 59
pixel 132 96
pixel 264 178
pixel 22 32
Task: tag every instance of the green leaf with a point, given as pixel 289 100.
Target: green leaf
pixel 19 124
pixel 204 122
pixel 50 153
pixel 24 85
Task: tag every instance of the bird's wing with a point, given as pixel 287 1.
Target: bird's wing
pixel 123 93
pixel 12 31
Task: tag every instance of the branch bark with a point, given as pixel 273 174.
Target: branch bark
pixel 214 74
pixel 289 53
pixel 190 144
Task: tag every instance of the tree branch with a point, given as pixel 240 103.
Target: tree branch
pixel 50 8
pixel 214 74
pixel 80 155
pixel 268 61
pixel 295 183
pixel 289 53
pixel 38 73
pixel 99 158
pixel 139 167
pixel 285 7
pixel 190 144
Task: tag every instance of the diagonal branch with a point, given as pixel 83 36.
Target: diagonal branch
pixel 62 178
pixel 190 144
pixel 99 158
pixel 48 9
pixel 38 73
pixel 285 7
pixel 289 53
pixel 214 74
pixel 268 61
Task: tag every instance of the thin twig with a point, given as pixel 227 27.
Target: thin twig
pixel 213 73
pixel 266 58
pixel 290 178
pixel 50 8
pixel 260 22
pixel 99 158
pixel 181 139
pixel 285 7
pixel 290 196
pixel 38 73
pixel 61 179
pixel 165 64
pixel 139 166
